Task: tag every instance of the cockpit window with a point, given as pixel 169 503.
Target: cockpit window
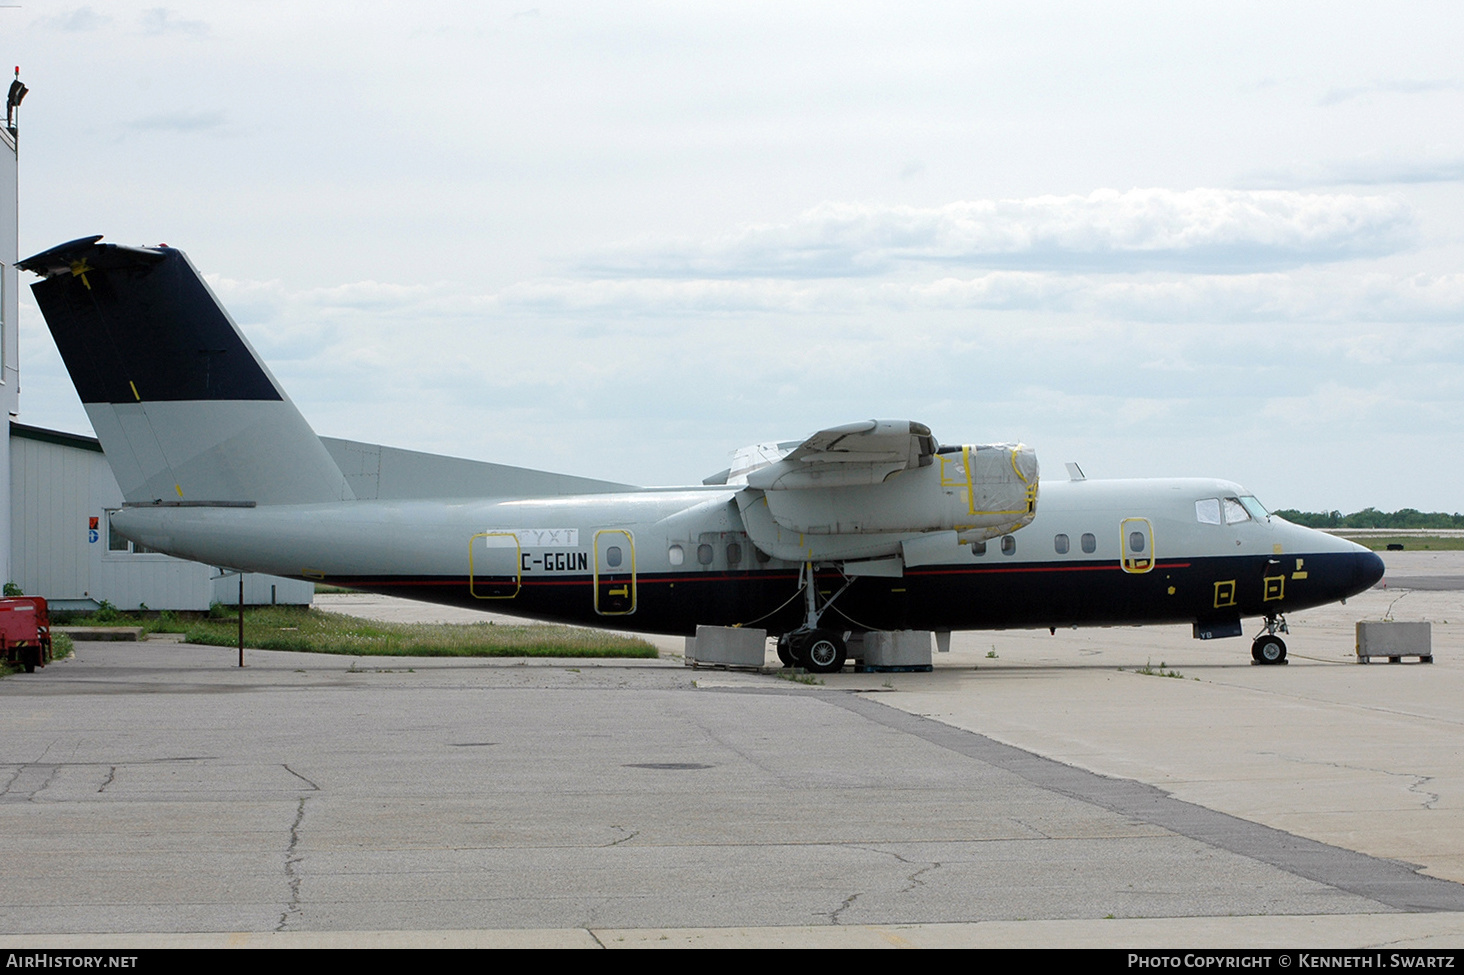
pixel 1234 511
pixel 1207 511
pixel 1256 509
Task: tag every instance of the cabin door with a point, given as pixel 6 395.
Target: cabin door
pixel 614 572
pixel 495 565
pixel 1136 536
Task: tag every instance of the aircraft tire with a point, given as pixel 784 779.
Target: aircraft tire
pixel 823 652
pixel 1269 650
pixel 785 655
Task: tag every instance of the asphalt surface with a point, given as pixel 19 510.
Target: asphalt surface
pixel 1037 792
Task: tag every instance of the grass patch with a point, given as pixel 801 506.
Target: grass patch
pixel 1149 671
pixel 308 630
pixel 61 646
pixel 316 631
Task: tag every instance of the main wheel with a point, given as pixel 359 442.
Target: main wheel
pixel 1269 650
pixel 785 654
pixel 823 652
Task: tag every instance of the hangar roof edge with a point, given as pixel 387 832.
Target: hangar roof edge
pixel 55 436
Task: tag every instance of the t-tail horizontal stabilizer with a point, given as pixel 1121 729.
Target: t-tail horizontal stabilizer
pixel 185 410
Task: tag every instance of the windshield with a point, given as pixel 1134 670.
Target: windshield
pixel 1256 509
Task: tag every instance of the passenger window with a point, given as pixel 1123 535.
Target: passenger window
pixel 978 548
pixel 676 554
pixel 1207 511
pixel 1008 545
pixel 704 554
pixel 1060 544
pixel 734 553
pixel 1089 543
pixel 1234 511
pixel 612 556
pixel 1136 541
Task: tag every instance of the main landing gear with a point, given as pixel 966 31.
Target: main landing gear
pixel 1269 648
pixel 814 648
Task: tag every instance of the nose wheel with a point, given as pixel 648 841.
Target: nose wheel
pixel 1269 648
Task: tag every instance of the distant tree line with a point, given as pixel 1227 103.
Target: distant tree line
pixel 1373 518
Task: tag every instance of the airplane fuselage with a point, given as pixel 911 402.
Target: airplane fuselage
pixel 665 560
pixel 868 525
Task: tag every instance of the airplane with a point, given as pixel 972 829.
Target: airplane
pixel 867 526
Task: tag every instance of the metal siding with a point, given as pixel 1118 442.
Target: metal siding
pixel 50 493
pixel 55 489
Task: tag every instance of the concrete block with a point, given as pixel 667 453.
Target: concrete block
pixel 1394 639
pixel 897 648
pixel 728 646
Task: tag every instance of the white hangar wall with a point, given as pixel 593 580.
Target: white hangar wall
pixel 9 313
pixel 59 483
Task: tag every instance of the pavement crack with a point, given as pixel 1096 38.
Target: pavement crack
pixel 111 777
pixel 837 912
pixel 1415 787
pixel 912 881
pixel 4 789
pixel 629 835
pixel 1040 832
pixel 302 778
pixel 292 874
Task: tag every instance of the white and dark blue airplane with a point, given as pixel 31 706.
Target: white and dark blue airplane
pixel 869 526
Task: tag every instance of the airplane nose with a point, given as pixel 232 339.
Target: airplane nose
pixel 1367 569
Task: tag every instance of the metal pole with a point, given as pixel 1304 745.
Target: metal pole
pixel 241 619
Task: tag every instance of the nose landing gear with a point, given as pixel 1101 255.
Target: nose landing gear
pixel 1269 648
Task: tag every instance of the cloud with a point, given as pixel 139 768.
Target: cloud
pixel 1396 87
pixel 1360 172
pixel 1317 296
pixel 76 20
pixel 1201 230
pixel 161 20
pixel 181 121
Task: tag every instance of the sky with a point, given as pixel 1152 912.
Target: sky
pixel 623 239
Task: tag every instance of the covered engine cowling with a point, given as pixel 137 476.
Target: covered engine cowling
pixel 981 491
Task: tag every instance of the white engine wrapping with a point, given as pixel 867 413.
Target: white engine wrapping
pixel 981 491
pixel 831 510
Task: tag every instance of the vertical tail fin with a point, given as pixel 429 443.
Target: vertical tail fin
pixel 185 410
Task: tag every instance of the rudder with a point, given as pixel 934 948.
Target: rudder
pixel 185 410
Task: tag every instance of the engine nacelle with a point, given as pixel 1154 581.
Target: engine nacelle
pixel 980 491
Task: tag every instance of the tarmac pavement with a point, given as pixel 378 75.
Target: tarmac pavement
pixel 1034 790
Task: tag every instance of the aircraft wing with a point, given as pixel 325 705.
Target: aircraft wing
pixel 867 452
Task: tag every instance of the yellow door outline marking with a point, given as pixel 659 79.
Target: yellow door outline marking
pixel 1225 593
pixel 518 565
pixel 1133 561
pixel 628 589
pixel 1274 588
